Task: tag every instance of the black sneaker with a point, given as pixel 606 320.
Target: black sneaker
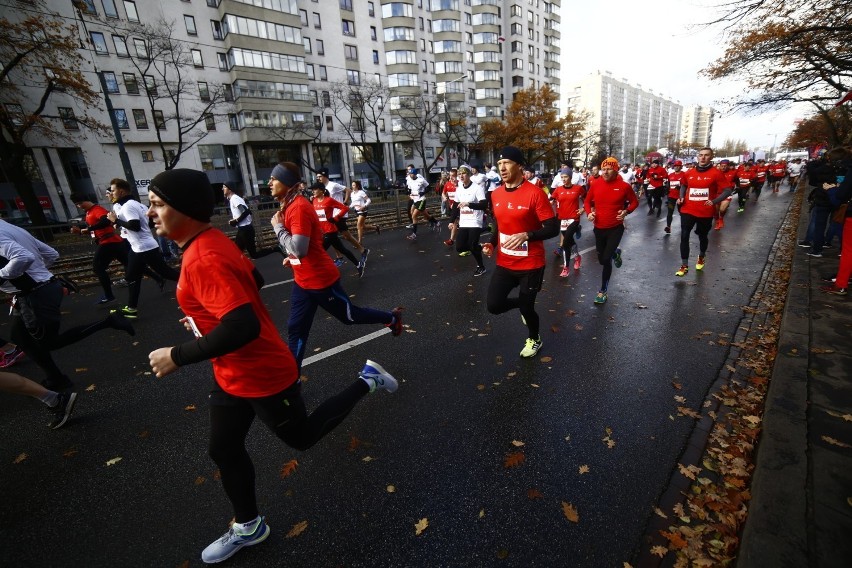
pixel 805 244
pixel 118 321
pixel 63 409
pixel 104 300
pixel 361 266
pixel 480 270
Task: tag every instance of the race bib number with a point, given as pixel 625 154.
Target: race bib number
pixel 321 214
pixel 523 250
pixel 674 183
pixel 699 194
pixel 565 223
pixel 466 212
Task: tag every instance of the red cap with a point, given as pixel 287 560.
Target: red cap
pixel 678 163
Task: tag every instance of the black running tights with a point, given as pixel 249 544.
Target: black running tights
pixel 528 284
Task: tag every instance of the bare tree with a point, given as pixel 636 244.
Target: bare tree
pixel 360 110
pixel 416 120
pixel 175 98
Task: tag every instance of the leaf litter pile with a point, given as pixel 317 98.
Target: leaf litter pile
pixel 704 529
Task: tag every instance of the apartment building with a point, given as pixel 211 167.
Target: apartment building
pixel 697 125
pixel 258 80
pixel 636 118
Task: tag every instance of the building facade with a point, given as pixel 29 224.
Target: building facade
pixel 634 119
pixel 697 128
pixel 232 87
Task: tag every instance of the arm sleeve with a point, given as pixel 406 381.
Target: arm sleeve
pixel 244 212
pixel 297 245
pixel 132 225
pixel 549 229
pixel 101 223
pixel 723 196
pixel 238 327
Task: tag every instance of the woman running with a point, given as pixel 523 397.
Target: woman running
pixel 469 217
pixel 360 201
pixel 326 207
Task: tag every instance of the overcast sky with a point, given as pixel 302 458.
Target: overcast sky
pixel 659 47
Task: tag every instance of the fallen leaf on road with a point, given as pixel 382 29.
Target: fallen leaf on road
pixel 297 529
pixel 184 564
pixel 680 399
pixel 200 480
pixel 584 469
pixel 90 388
pixel 366 459
pixel 554 328
pixel 731 368
pixel 20 458
pixel 391 489
pixel 502 554
pixel 69 453
pixel 678 386
pixel 835 442
pixel 514 459
pixel 189 408
pixel 421 526
pixel 570 512
pixel 481 513
pixel 480 387
pixel 675 540
pixel 517 444
pixel 288 468
pixel 113 461
pixel 546 359
pixel 533 385
pixel 354 443
pixel 578 327
pixel 642 306
pixel 534 494
pixel 683 411
pixel 689 471
pixel 819 350
pixel 660 513
pixel 81 369
pixel 659 551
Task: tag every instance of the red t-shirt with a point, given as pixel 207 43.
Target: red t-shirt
pixel 567 201
pixel 700 187
pixel 656 176
pixel 778 170
pixel 607 198
pixel 450 191
pixel 316 270
pixel 107 234
pixel 675 179
pixel 745 176
pixel 215 278
pixel 518 211
pixel 760 172
pixel 325 212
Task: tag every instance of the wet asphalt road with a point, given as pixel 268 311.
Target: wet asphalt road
pixel 442 440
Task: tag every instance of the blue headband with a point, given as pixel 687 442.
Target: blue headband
pixel 285 176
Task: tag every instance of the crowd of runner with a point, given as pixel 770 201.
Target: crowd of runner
pixel 503 211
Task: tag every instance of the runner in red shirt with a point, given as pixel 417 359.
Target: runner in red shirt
pixel 609 201
pixel 657 177
pixel 110 245
pixel 745 180
pixel 567 198
pixel 761 171
pixel 731 181
pixel 523 219
pixel 255 374
pixel 326 207
pixel 675 180
pixel 317 281
pixel 704 188
pixel 777 172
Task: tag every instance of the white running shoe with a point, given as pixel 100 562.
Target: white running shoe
pixel 375 376
pixel 237 537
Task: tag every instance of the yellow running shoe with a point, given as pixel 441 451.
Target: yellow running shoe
pixel 683 270
pixel 699 264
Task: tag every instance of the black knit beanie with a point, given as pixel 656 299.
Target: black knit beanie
pixel 514 154
pixel 188 191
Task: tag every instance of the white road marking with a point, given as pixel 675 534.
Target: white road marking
pixel 277 284
pixel 344 347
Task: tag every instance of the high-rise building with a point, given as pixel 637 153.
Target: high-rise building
pixel 697 125
pixel 259 81
pixel 631 119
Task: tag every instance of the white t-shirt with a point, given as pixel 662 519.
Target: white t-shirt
pixel 794 169
pixel 627 176
pixel 337 192
pixel 141 240
pixel 478 179
pixel 359 199
pixel 494 178
pixel 470 217
pixel 234 203
pixel 416 188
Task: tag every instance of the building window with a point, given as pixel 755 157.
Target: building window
pixel 130 10
pixel 348 27
pixel 517 47
pixel 141 48
pixel 99 43
pixel 223 61
pixel 69 121
pixel 130 83
pixel 306 41
pixel 189 22
pixel 323 73
pixel 317 122
pixel 326 99
pixel 120 46
pixel 381 124
pixel 371 9
pixel 197 60
pixel 203 91
pixel 121 118
pixel 329 124
pixel 303 15
pixel 309 69
pixel 88 6
pixel 346 5
pixel 147 156
pixel 150 84
pixel 210 122
pixel 375 57
pixel 353 77
pixel 320 47
pixel 317 21
pixel 159 120
pixel 421 24
pixel 140 119
pixel 216 25
pixel 111 82
pixel 350 52
pixel 373 33
pixel 233 123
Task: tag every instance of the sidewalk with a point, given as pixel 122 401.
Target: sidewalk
pixel 801 509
